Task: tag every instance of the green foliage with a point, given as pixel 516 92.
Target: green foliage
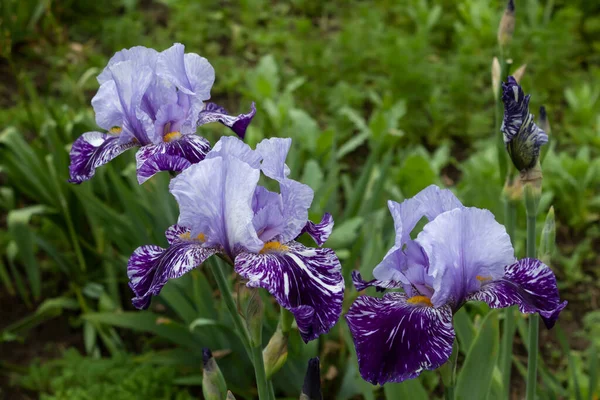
pixel 78 378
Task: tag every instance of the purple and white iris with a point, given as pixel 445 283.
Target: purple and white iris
pixel 154 101
pixel 522 137
pixel 461 254
pixel 224 211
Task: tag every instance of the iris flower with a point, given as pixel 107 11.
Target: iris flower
pixel 522 137
pixel 224 211
pixel 461 254
pixel 154 101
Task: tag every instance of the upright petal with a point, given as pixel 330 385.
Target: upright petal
pixel 215 113
pixel 396 339
pixel 150 267
pixel 131 83
pixel 274 152
pixel 192 74
pixel 91 150
pixel 528 283
pixel 139 55
pixel 319 232
pixel 268 218
pixel 463 245
pixel 306 281
pixel 296 199
pixel 237 148
pixel 215 199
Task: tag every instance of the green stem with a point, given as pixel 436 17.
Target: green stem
pixel 533 319
pixel 254 351
pixel 238 322
pixel 259 370
pixel 509 314
pixel 452 364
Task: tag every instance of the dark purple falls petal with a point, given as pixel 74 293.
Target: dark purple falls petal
pixel 91 150
pixel 380 286
pixel 150 267
pixel 395 340
pixel 307 281
pixel 319 232
pixel 175 156
pixel 215 113
pixel 528 283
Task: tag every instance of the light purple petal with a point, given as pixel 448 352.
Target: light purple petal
pixel 215 199
pixel 528 283
pixel 319 232
pixel 306 281
pixel 169 118
pixel 192 74
pixel 215 113
pixel 161 162
pixel 174 233
pixel 235 147
pixel 150 267
pixel 395 340
pixel 268 218
pixel 139 55
pixel 461 245
pixel 176 156
pixel 107 107
pixel 296 198
pixel 91 150
pixel 131 83
pixel 274 152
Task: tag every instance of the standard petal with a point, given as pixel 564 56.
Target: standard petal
pixel 268 218
pixel 215 199
pixel 463 246
pixel 237 148
pixel 139 55
pixel 150 267
pixel 192 74
pixel 296 198
pixel 306 281
pixel 91 150
pixel 319 232
pixel 215 113
pixel 396 340
pixel 274 152
pixel 161 162
pixel 528 283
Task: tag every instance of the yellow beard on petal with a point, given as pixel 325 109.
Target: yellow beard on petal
pixel 421 300
pixel 271 247
pixel 187 236
pixel 115 130
pixel 169 137
pixel 483 278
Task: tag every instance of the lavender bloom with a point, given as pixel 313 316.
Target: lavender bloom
pixel 461 254
pixel 522 137
pixel 224 211
pixel 154 101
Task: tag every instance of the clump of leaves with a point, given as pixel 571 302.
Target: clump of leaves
pixel 77 377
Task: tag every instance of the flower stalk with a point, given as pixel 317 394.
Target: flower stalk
pixel 532 198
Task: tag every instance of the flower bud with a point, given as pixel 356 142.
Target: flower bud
pixel 522 137
pixel 311 389
pixel 230 395
pixel 518 74
pixel 507 24
pixel 544 123
pixel 548 239
pixel 213 383
pixel 276 352
pixel 496 71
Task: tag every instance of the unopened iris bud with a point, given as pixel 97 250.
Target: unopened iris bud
pixel 548 239
pixel 507 24
pixel 230 395
pixel 519 72
pixel 213 383
pixel 311 389
pixel 276 353
pixel 522 137
pixel 496 71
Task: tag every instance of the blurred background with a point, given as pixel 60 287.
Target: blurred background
pixel 381 98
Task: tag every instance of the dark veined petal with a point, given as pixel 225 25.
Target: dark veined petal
pixel 161 162
pixel 176 232
pixel 397 338
pixel 190 148
pixel 361 284
pixel 528 283
pixel 150 267
pixel 306 281
pixel 91 150
pixel 215 113
pixel 319 232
